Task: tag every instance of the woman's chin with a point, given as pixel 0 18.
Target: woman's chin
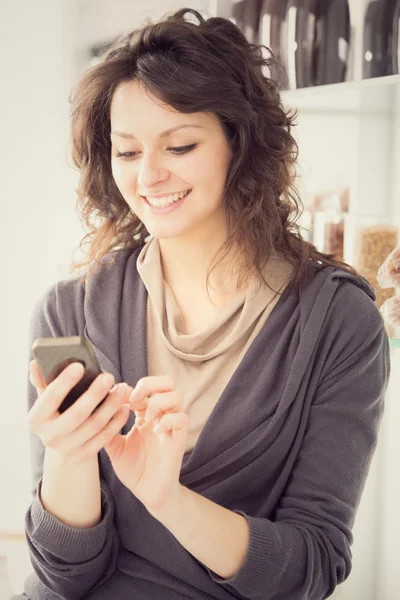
pixel 166 233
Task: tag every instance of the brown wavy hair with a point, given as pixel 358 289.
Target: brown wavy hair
pixel 208 66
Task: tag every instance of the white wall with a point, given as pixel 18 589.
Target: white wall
pixel 38 226
pixel 102 20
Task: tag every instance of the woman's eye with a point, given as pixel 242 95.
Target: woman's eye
pixel 126 155
pixel 183 149
pixel 177 150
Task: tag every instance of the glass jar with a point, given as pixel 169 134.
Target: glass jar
pixel 329 232
pixel 370 239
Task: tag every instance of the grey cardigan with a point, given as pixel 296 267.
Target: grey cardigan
pixel 288 446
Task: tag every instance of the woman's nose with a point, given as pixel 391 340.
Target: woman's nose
pixel 151 172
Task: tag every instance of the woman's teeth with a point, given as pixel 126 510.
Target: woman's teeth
pixel 166 200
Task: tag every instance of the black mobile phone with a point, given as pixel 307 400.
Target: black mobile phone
pixel 53 355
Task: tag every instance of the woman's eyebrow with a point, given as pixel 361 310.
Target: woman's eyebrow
pixel 165 133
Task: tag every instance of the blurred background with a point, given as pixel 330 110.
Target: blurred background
pixel 341 59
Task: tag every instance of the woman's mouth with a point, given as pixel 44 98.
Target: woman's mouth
pixel 167 203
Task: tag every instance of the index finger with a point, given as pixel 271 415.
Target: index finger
pixel 151 385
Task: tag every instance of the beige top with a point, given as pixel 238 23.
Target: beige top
pixel 202 364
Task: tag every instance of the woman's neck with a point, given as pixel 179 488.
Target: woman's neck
pixel 185 265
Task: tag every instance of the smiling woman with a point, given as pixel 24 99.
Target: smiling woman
pixel 147 106
pixel 160 167
pixel 232 464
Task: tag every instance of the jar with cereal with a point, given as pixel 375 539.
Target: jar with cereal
pixel 374 239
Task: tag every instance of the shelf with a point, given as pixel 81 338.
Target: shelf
pixel 344 86
pixel 302 96
pixel 349 95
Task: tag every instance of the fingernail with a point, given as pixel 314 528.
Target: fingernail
pixel 75 369
pixel 105 379
pixel 118 389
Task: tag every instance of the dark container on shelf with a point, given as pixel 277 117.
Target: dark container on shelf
pixel 272 35
pixel 379 34
pixel 246 15
pixel 332 41
pixel 299 43
pixel 395 41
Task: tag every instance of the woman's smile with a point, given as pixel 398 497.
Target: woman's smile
pixel 166 207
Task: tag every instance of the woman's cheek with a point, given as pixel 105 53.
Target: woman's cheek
pixel 124 178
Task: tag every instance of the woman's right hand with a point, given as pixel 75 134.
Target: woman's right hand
pixel 77 434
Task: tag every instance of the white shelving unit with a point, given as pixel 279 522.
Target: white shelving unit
pixel 348 136
pixel 367 110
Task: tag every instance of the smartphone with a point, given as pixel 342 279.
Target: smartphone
pixel 53 355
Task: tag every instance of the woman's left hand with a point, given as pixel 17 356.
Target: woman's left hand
pixel 149 462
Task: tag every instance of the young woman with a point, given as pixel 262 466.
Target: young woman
pixel 229 459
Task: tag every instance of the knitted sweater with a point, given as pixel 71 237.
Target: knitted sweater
pixel 288 445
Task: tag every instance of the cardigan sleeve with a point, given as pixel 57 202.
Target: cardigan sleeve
pixel 303 552
pixel 67 561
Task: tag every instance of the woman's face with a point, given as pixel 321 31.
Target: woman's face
pixel 157 164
